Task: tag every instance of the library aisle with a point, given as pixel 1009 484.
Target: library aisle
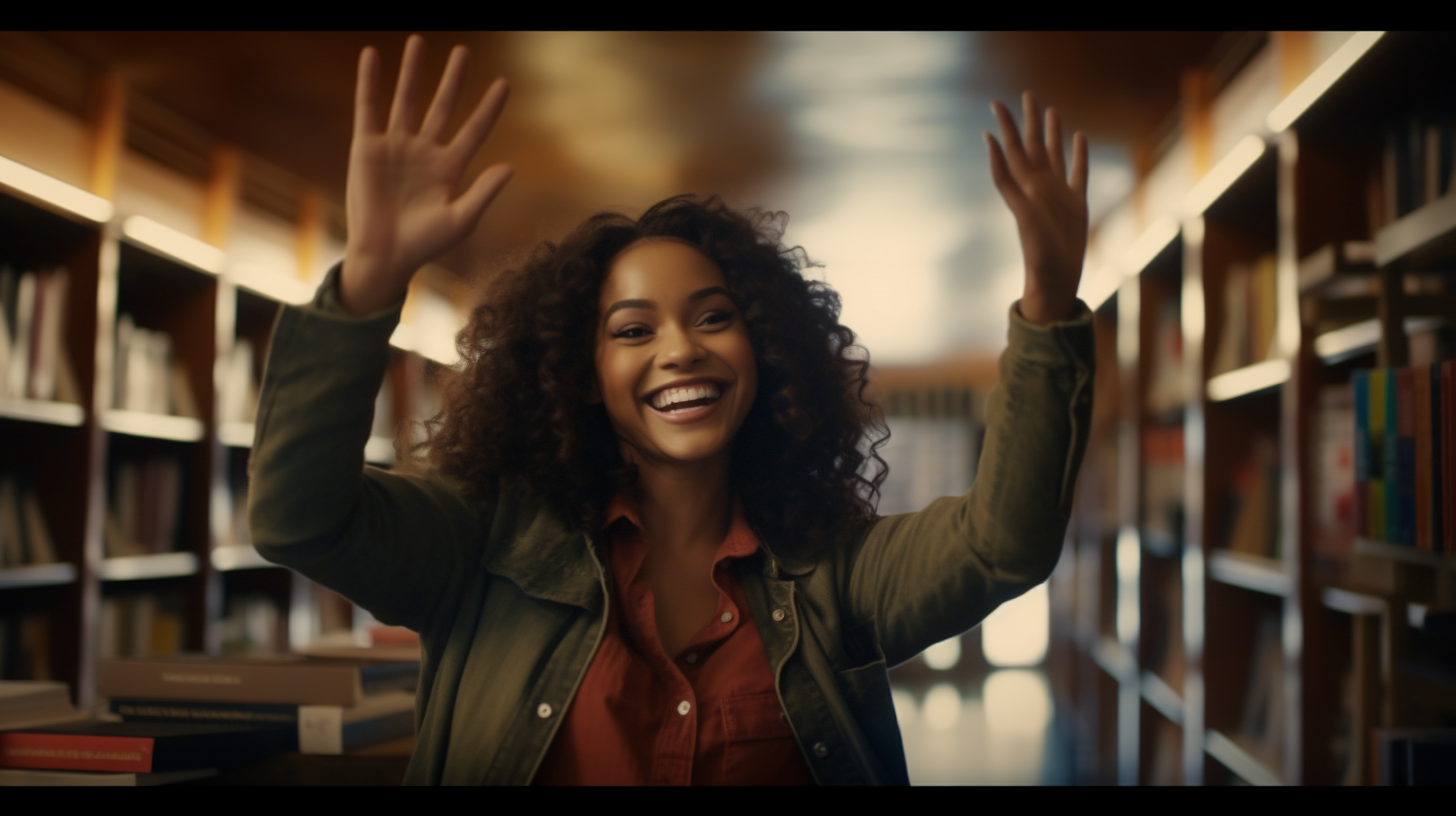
pixel 1258 582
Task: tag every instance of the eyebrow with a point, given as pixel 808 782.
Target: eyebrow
pixel 705 292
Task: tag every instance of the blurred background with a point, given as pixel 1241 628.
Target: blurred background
pixel 870 142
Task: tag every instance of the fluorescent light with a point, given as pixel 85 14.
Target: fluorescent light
pixel 1323 77
pixel 54 191
pixel 1016 634
pixel 943 655
pixel 1248 379
pixel 270 283
pixel 1223 175
pixel 1142 251
pixel 169 241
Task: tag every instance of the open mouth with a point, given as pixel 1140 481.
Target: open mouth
pixel 682 399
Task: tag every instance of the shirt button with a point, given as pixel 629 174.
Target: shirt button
pixel 727 616
pixel 543 711
pixel 821 750
pixel 779 614
pixel 684 707
pixel 690 658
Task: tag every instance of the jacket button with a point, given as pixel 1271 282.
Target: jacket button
pixel 779 614
pixel 543 711
pixel 821 750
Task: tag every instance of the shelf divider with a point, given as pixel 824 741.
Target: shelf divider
pixel 144 567
pixel 153 426
pixel 37 575
pixel 1266 575
pixel 50 413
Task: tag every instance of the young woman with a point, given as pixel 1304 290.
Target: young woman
pixel 645 549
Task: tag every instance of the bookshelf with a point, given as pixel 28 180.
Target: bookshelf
pixel 139 471
pixel 1266 643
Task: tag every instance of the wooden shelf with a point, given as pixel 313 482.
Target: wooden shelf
pixel 1408 555
pixel 239 557
pixel 379 450
pixel 1422 236
pixel 1162 697
pixel 1251 379
pixel 1362 338
pixel 1240 760
pixel 1113 658
pixel 50 413
pixel 147 567
pixel 153 426
pixel 1266 575
pixel 1353 602
pixel 37 575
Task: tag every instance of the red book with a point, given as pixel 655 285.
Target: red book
pixel 138 747
pixel 1421 390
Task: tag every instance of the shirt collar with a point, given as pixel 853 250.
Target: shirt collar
pixel 739 543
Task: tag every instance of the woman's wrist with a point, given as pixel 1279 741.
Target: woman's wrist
pixel 365 288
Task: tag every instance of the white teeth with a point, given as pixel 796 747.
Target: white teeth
pixel 670 396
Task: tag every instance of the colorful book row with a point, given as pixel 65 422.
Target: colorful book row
pixel 1405 429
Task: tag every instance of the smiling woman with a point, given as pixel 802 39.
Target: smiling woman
pixel 640 544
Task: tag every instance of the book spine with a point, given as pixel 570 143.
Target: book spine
pixel 1377 454
pixel 1448 454
pixel 1406 454
pixel 1391 503
pixel 203 681
pixel 76 752
pixel 1438 470
pixel 249 714
pixel 1421 391
pixel 1360 385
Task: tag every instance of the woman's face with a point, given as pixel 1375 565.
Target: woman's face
pixel 675 367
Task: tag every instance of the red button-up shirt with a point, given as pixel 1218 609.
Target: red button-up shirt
pixel 706 716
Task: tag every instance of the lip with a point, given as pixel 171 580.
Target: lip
pixel 692 414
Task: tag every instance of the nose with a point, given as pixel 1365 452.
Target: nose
pixel 679 350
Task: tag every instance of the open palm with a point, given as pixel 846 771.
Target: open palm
pixel 405 205
pixel 1050 209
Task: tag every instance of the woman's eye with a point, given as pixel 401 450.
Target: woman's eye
pixel 716 317
pixel 632 333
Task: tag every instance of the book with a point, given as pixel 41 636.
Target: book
pixel 138 747
pixel 1390 502
pixel 316 729
pixel 1421 450
pixel 1405 454
pixel 1262 719
pixel 1360 397
pixel 1436 445
pixel 1334 473
pixel 32 777
pixel 294 679
pixel 26 704
pixel 1448 455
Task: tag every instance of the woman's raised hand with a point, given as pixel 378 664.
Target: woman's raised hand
pixel 406 203
pixel 1050 210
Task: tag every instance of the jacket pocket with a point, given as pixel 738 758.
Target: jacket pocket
pixel 759 746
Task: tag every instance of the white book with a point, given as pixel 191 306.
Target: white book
pixel 48 334
pixel 19 370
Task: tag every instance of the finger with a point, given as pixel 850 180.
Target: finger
pixel 471 204
pixel 1035 151
pixel 443 107
pixel 1054 144
pixel 1001 175
pixel 1015 156
pixel 402 113
pixel 477 127
pixel 1079 165
pixel 366 118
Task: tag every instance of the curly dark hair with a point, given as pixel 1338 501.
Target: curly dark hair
pixel 518 416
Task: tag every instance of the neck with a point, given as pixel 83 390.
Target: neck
pixel 685 505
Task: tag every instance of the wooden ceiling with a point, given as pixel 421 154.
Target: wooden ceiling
pixel 601 119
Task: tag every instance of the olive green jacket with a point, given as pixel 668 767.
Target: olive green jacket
pixel 511 602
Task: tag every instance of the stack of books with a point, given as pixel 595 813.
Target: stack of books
pixel 181 718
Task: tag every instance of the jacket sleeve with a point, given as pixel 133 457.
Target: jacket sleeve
pixel 394 544
pixel 926 576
